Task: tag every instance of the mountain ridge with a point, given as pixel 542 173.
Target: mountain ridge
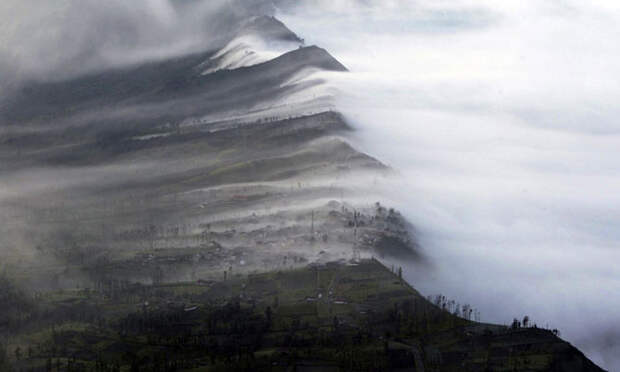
pixel 134 181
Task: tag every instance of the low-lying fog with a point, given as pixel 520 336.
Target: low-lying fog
pixel 502 118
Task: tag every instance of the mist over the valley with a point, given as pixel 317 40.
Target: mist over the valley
pixel 501 118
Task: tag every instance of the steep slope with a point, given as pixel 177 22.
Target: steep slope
pixel 136 173
pixel 259 39
pixel 191 170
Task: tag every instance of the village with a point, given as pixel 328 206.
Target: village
pixel 353 315
pixel 260 242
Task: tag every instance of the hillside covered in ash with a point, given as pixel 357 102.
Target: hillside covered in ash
pixel 202 191
pixel 186 168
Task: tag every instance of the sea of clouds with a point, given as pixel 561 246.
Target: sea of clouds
pixel 502 119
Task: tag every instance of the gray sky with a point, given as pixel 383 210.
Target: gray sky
pixel 501 117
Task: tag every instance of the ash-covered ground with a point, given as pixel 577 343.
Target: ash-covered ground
pixel 189 168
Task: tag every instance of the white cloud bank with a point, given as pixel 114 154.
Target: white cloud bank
pixel 502 118
pixel 500 115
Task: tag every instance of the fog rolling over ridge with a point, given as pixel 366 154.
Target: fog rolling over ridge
pixel 501 118
pixel 55 40
pixel 187 164
pixel 170 143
